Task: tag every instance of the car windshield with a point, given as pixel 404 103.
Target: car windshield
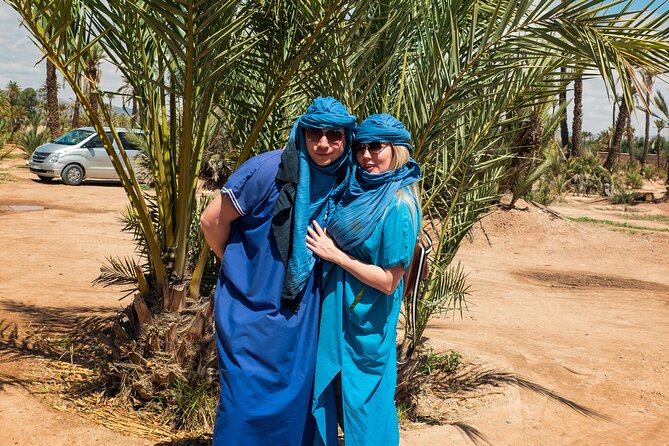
pixel 73 137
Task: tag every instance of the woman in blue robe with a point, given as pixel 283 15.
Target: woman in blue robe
pixel 368 243
pixel 267 299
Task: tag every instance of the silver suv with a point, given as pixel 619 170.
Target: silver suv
pixel 79 155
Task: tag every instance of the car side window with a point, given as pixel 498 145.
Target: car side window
pixel 94 142
pixel 128 143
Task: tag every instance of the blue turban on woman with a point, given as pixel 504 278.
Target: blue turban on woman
pixel 383 127
pixel 368 195
pixel 306 190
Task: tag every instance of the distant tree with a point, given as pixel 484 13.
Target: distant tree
pixel 586 137
pixel 129 95
pixel 662 122
pixel 659 125
pixel 16 116
pixel 603 139
pixel 13 91
pixel 28 101
pixel 4 103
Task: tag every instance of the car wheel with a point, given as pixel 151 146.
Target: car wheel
pixel 72 175
pixel 45 179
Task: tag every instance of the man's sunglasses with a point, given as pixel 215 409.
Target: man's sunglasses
pixel 374 148
pixel 333 136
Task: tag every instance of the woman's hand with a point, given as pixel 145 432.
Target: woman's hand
pixel 383 280
pixel 320 243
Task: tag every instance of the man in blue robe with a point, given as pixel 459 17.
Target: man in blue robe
pixel 267 299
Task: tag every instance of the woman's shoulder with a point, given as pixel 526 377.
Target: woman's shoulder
pixel 404 202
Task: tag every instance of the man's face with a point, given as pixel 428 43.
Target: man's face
pixel 325 146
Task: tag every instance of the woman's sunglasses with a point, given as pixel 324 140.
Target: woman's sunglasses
pixel 374 148
pixel 333 136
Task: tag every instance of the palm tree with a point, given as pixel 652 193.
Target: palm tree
pixel 648 90
pixel 620 126
pixel 660 125
pixel 129 95
pixel 4 103
pixel 13 92
pixel 465 77
pixel 16 117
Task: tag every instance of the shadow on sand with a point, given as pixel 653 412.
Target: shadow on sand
pixel 470 381
pixel 74 335
pixel 56 333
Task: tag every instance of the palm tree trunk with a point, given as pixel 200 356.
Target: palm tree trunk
pixel 646 136
pixel 135 110
pixel 577 124
pixel 75 109
pixel 564 129
pixel 630 140
pixel 658 146
pixel 614 150
pixel 92 73
pixel 53 121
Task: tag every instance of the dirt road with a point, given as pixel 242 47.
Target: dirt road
pixel 580 308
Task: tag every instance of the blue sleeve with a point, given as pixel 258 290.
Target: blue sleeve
pixel 250 184
pixel 398 235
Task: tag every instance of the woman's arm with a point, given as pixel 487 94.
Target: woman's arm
pixel 216 220
pixel 384 280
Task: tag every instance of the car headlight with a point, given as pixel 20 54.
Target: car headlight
pixel 53 158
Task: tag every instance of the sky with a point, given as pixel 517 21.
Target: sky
pixel 19 56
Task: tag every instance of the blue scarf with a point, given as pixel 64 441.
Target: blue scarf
pixel 365 201
pixel 368 195
pixel 314 189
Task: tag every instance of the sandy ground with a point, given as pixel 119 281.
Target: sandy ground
pixel 578 308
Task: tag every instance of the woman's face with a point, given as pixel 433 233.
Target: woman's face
pixel 374 157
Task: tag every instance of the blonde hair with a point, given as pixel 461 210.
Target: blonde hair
pixel 411 193
pixel 401 156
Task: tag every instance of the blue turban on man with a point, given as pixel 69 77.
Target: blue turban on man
pixel 306 189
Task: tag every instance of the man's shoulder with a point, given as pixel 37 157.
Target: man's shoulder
pixel 266 163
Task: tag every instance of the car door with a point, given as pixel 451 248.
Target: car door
pixel 130 145
pixel 99 163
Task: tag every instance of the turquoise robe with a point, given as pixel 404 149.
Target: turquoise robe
pixel 357 338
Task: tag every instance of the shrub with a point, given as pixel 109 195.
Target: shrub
pixel 31 138
pixel 448 363
pixel 653 173
pixel 622 197
pixel 633 178
pixel 542 193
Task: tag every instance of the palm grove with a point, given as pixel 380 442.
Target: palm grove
pixel 479 83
